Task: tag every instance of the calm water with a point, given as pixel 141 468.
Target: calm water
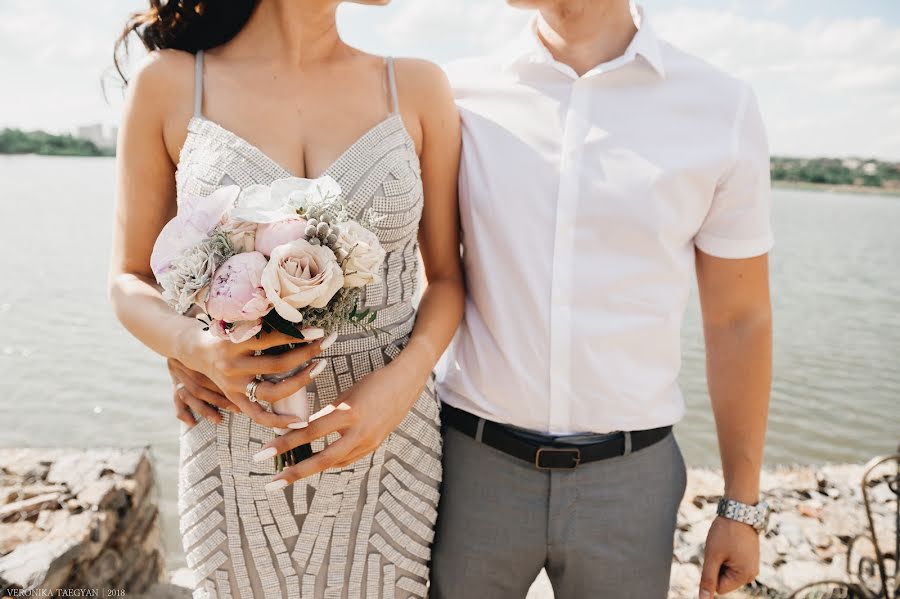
pixel 70 375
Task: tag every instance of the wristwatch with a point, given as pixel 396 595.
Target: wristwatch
pixel 756 516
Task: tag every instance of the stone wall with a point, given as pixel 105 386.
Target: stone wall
pixel 78 519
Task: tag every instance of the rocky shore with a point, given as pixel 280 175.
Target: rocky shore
pixel 88 519
pixel 816 514
pixel 85 521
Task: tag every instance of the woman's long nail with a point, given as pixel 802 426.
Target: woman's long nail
pixel 312 333
pixel 298 425
pixel 329 341
pixel 318 368
pixel 265 454
pixel 276 484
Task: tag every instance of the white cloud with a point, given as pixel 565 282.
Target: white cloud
pixel 53 56
pixel 827 87
pixel 453 29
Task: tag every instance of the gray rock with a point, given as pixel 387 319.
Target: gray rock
pixel 102 494
pixel 94 527
pixel 16 533
pixel 27 508
pixel 797 573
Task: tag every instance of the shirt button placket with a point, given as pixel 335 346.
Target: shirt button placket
pixel 562 286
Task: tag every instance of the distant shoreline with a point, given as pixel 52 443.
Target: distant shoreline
pixel 60 155
pixel 41 143
pixel 826 188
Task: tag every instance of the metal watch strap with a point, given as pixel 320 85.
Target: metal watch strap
pixel 756 516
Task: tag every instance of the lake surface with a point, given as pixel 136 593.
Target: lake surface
pixel 71 376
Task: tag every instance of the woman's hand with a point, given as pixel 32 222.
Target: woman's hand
pixel 364 416
pixel 230 367
pixel 194 391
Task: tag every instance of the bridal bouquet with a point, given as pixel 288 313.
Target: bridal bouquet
pixel 269 257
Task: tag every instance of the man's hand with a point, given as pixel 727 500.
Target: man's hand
pixel 731 558
pixel 195 391
pixel 364 416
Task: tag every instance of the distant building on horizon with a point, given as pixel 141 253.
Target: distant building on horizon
pixel 104 137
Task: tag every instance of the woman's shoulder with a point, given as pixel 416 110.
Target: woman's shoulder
pixel 165 76
pixel 165 67
pixel 160 97
pixel 422 81
pixel 419 72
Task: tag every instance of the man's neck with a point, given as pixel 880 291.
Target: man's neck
pixel 585 33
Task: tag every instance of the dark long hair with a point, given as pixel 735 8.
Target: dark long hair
pixel 188 25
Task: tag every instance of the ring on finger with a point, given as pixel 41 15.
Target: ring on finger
pixel 251 390
pixel 179 387
pixel 258 352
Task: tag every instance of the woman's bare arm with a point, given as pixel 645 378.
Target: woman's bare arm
pixel 441 304
pixel 145 201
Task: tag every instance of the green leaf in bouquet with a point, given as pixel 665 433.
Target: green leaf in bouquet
pixel 282 325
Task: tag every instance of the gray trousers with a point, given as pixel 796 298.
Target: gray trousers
pixel 602 530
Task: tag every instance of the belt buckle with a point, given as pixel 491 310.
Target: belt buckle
pixel 555 453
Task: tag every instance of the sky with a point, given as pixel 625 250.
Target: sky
pixel 827 72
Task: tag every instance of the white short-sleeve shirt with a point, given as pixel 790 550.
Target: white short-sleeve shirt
pixel 582 202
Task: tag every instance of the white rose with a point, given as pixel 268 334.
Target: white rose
pixel 281 199
pixel 365 255
pixel 301 275
pixel 241 234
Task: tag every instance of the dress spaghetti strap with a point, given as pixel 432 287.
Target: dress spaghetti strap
pixel 392 84
pixel 198 83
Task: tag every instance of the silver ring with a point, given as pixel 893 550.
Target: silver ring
pixel 251 390
pixel 179 387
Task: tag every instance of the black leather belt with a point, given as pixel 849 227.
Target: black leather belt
pixel 551 456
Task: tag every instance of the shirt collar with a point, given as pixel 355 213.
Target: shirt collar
pixel 528 48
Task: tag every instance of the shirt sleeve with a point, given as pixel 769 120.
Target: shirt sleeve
pixel 738 224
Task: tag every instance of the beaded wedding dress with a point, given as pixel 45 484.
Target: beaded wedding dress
pixel 360 531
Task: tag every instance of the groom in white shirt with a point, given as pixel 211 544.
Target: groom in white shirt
pixel 602 169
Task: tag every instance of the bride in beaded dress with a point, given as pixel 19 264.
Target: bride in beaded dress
pixel 251 91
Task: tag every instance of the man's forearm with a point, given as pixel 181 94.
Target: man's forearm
pixel 739 371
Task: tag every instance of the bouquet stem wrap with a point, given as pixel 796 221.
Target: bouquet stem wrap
pixel 295 404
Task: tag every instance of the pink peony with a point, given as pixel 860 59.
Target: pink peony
pixel 196 218
pixel 270 235
pixel 239 331
pixel 236 293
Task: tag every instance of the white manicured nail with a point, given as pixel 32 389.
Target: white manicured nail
pixel 312 333
pixel 276 484
pixel 318 368
pixel 298 425
pixel 329 341
pixel 265 454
